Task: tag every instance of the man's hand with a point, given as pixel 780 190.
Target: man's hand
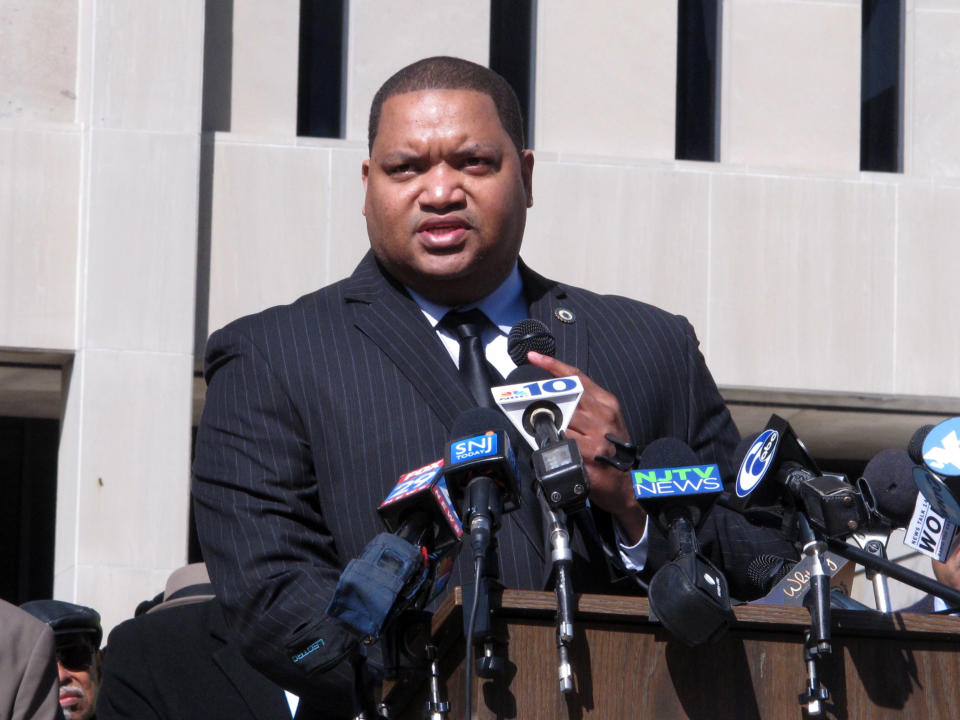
pixel 597 415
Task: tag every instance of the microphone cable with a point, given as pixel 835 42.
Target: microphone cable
pixel 471 620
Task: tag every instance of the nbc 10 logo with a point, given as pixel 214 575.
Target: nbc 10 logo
pixel 473 447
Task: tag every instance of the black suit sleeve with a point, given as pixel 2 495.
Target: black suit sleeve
pixel 128 689
pixel 711 432
pixel 271 556
pixel 705 423
pixel 727 538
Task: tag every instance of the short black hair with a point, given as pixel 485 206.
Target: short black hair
pixel 451 73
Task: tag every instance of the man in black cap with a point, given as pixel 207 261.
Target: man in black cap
pixel 78 633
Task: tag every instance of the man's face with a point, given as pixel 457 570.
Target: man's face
pixel 446 194
pixel 79 666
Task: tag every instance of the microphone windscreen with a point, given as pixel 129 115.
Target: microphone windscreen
pixel 890 477
pixel 667 452
pixel 529 335
pixel 915 447
pixel 477 421
pixel 766 570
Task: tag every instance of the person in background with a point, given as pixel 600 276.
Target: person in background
pixel 177 661
pixel 28 669
pixel 77 633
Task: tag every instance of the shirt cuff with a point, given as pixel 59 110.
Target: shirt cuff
pixel 634 556
pixel 293 701
pixel 939 605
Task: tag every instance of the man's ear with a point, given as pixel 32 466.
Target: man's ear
pixel 526 174
pixel 364 174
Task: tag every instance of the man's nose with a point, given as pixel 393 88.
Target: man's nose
pixel 63 673
pixel 442 189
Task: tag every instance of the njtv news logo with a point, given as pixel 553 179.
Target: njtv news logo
pixel 691 480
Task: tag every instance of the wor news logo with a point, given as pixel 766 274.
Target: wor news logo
pixel 478 446
pixel 662 482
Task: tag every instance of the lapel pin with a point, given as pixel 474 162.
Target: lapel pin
pixel 564 315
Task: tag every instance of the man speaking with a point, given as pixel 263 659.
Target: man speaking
pixel 316 408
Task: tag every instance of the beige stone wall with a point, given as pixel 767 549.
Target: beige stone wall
pixel 799 272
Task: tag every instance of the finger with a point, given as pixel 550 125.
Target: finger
pixel 555 367
pixel 558 368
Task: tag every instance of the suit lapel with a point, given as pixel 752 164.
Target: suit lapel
pixel 394 322
pixel 264 698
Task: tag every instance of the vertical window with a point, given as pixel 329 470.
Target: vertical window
pixel 320 105
pixel 28 483
pixel 512 55
pixel 881 83
pixel 698 85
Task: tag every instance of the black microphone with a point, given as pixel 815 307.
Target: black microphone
pixel 766 570
pixel 892 489
pixel 559 470
pixel 557 462
pixel 890 494
pixel 777 476
pixel 419 509
pixel 673 485
pixel 527 335
pixel 688 595
pixel 891 475
pixel 481 471
pixel 538 404
pixel 542 418
pixel 481 468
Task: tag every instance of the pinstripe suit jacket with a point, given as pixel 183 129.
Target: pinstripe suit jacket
pixel 315 409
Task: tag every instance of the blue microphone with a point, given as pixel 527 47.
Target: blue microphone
pixel 936 451
pixel 409 565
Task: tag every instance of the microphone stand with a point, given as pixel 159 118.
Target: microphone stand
pixel 876 546
pixel 483 502
pixel 562 557
pixel 897 572
pixel 563 473
pixel 436 708
pixel 817 600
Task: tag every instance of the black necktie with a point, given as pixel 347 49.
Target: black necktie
pixel 479 376
pixel 477 373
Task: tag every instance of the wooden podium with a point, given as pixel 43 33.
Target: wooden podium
pixel 626 666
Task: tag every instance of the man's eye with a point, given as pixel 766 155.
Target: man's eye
pixel 477 162
pixel 400 169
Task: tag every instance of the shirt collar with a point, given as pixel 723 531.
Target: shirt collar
pixel 505 306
